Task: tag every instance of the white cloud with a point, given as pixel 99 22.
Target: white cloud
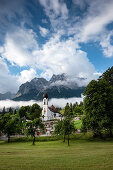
pixel 19 46
pixel 56 102
pixel 16 104
pixel 54 8
pixel 8 82
pixel 11 82
pixel 80 3
pixel 26 75
pixel 64 57
pixel 57 12
pixel 43 31
pixel 98 74
pixel 62 102
pixel 99 14
pixel 90 27
pixel 106 44
pixel 1 49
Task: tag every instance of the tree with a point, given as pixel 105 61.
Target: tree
pixel 108 76
pixel 33 126
pixel 78 109
pixel 71 109
pixel 68 127
pixel 98 104
pixel 3 111
pixel 68 110
pixel 23 112
pixel 59 130
pixel 10 110
pixel 9 125
pixel 35 111
pixel 65 127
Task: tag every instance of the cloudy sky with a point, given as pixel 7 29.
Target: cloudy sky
pixel 42 37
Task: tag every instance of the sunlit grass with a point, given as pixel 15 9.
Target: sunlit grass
pixel 78 124
pixel 81 154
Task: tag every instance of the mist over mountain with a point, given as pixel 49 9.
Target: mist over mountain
pixel 59 86
pixel 7 95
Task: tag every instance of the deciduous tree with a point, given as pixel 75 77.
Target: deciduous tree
pixel 32 127
pixel 98 104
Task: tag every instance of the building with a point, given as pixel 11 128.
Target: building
pixel 49 113
pixel 50 116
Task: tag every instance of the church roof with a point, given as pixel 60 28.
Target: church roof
pixel 53 109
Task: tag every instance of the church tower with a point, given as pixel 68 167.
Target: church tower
pixel 45 107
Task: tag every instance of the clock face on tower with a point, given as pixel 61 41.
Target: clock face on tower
pixel 44 110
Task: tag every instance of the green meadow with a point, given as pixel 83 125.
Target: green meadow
pixel 53 155
pixel 78 124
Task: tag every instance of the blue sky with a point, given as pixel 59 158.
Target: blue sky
pixel 39 38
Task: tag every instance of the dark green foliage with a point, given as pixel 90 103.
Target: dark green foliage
pixel 13 123
pixel 78 109
pixel 23 112
pixel 15 112
pixel 10 110
pixel 32 127
pixel 108 76
pixel 68 110
pixel 66 126
pixel 3 111
pixel 35 111
pixel 9 125
pixel 30 112
pixel 98 104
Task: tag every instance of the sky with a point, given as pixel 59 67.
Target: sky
pixel 39 38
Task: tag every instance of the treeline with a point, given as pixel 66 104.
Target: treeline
pixel 24 121
pixel 98 105
pixel 96 111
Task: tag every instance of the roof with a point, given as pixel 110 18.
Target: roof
pixel 53 109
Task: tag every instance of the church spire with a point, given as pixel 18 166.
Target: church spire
pixel 45 95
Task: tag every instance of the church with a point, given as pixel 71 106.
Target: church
pixel 50 116
pixel 49 113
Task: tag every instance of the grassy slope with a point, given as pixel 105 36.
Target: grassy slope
pixel 78 124
pixel 51 155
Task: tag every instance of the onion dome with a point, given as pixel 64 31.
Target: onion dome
pixel 45 95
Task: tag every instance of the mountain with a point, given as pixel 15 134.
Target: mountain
pixel 59 86
pixel 7 95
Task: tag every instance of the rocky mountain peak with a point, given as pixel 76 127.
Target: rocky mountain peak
pixel 59 77
pixel 57 87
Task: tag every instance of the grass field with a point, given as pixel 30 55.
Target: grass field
pixel 52 155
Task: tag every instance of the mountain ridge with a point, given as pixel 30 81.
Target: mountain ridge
pixel 7 95
pixel 59 86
